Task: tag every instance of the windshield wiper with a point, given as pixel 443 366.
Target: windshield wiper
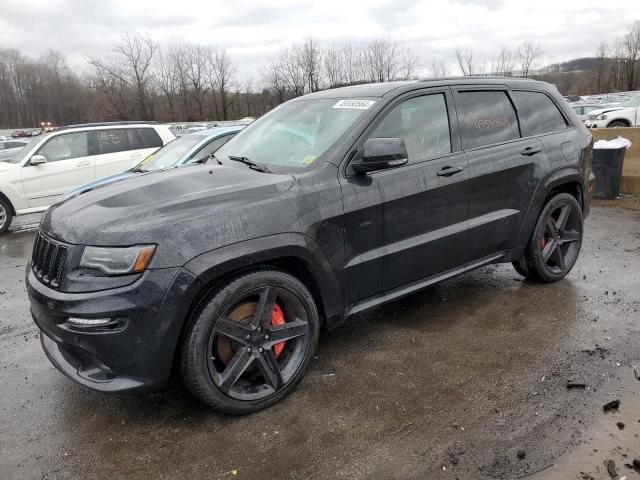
pixel 139 170
pixel 253 165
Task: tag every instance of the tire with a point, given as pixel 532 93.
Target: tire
pixel 521 267
pixel 6 217
pixel 233 358
pixel 556 240
pixel 617 124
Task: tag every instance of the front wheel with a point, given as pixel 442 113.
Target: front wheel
pixel 617 124
pixel 557 237
pixel 250 344
pixel 5 216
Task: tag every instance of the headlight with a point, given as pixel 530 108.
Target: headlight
pixel 601 117
pixel 118 260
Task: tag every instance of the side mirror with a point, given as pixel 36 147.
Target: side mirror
pixel 38 160
pixel 381 154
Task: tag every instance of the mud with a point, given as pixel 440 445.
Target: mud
pixel 465 380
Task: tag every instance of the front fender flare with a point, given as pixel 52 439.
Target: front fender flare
pixel 219 262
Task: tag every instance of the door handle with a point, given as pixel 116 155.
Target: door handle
pixel 134 155
pixel 83 164
pixel 529 151
pixel 448 171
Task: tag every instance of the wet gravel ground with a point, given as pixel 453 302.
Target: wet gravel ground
pixel 465 380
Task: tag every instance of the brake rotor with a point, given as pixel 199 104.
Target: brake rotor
pixel 243 313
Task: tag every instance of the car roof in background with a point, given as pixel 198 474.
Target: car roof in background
pixel 215 131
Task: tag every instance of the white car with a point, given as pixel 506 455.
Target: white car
pixel 624 115
pixel 51 164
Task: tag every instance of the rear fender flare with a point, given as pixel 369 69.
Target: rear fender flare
pixel 552 181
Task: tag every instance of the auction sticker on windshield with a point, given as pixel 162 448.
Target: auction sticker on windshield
pixel 358 104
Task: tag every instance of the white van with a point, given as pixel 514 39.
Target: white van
pixel 51 164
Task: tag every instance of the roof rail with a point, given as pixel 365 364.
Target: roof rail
pixel 108 124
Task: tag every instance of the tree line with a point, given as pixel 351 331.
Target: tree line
pixel 141 79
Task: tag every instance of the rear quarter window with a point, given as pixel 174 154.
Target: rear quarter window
pixel 150 137
pixel 486 117
pixel 537 113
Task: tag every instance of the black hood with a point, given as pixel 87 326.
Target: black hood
pixel 194 204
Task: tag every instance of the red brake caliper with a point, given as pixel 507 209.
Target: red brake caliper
pixel 277 318
pixel 543 242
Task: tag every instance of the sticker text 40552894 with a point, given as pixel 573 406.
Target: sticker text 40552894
pixel 491 123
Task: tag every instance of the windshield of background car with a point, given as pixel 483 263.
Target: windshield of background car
pixel 168 155
pixel 22 153
pixel 631 102
pixel 296 133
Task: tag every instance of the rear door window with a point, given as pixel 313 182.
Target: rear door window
pixel 537 113
pixel 486 117
pixel 422 122
pixel 112 141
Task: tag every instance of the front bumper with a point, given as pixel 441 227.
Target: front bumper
pixel 135 351
pixel 596 123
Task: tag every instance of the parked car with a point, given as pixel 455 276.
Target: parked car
pixel 583 109
pixel 11 144
pixel 329 205
pixel 51 164
pixel 9 149
pixel 626 114
pixel 185 150
pixel 20 134
pixel 573 98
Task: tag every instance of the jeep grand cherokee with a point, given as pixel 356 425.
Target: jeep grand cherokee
pixel 331 204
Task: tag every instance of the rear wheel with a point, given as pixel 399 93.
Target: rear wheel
pixel 557 237
pixel 250 344
pixel 5 215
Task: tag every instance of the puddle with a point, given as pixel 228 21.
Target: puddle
pixel 604 440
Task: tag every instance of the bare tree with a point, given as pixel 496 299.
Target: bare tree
pixel 129 68
pixel 310 58
pixel 333 66
pixel 353 61
pixel 408 64
pixel 274 79
pixel 438 68
pixel 631 45
pixel 528 53
pixel 224 73
pixel 167 75
pixel 600 71
pixel 503 64
pixel 465 60
pixel 382 60
pixel 196 71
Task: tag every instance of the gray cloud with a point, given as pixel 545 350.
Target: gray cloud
pixel 252 31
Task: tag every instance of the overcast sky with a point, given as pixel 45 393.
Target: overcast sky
pixel 252 31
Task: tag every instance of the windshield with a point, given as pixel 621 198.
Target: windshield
pixel 631 102
pixel 296 133
pixel 170 154
pixel 24 151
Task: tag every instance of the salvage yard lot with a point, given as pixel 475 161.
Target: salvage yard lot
pixel 464 380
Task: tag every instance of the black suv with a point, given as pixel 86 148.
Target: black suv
pixel 331 204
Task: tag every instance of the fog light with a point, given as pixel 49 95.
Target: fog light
pixel 89 322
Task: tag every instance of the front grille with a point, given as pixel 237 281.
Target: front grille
pixel 48 260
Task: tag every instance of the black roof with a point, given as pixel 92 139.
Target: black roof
pixel 382 89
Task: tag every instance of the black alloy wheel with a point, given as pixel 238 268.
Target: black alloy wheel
pixel 556 241
pixel 251 343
